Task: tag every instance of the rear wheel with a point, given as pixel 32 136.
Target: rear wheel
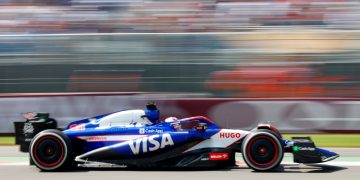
pixel 50 150
pixel 262 150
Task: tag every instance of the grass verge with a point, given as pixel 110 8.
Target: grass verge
pixel 7 140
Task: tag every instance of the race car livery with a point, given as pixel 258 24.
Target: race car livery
pixel 137 139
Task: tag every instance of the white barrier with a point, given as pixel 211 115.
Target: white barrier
pixel 312 115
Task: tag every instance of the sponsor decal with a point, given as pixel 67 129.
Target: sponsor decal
pixel 306 149
pixel 77 127
pixel 118 138
pixel 218 156
pixel 28 128
pixel 298 148
pixel 150 131
pixel 229 135
pixel 96 138
pixel 30 115
pixel 302 140
pixel 151 143
pixel 27 139
pixel 142 131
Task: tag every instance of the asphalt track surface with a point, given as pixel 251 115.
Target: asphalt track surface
pixel 14 166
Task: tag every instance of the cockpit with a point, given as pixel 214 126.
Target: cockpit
pixel 149 117
pixel 132 118
pixel 129 118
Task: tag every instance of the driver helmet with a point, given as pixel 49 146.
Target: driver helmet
pixel 152 113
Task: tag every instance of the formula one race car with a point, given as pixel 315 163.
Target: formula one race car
pixel 136 139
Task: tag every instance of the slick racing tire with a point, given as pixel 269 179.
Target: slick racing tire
pixel 262 150
pixel 51 150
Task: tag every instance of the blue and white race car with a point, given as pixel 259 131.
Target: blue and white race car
pixel 137 139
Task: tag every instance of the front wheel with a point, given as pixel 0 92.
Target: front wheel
pixel 262 150
pixel 50 150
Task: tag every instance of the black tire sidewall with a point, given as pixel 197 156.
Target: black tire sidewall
pixel 269 134
pixel 65 141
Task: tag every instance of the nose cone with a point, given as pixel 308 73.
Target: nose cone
pixel 327 155
pixel 329 158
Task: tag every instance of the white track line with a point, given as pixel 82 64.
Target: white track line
pixel 341 163
pixel 14 164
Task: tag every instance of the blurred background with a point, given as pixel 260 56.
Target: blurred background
pixel 212 48
pixel 209 49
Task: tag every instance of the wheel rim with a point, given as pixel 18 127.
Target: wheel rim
pixel 49 151
pixel 262 151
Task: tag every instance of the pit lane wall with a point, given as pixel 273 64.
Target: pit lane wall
pixel 318 115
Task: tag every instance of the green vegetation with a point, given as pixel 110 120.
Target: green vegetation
pixel 321 140
pixel 7 140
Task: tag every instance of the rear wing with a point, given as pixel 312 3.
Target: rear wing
pixel 33 124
